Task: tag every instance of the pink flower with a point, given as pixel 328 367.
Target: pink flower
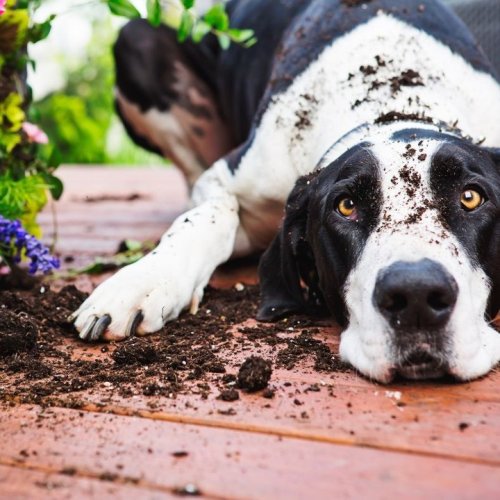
pixel 34 133
pixel 2 6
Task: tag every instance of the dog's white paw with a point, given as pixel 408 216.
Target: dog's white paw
pixel 138 299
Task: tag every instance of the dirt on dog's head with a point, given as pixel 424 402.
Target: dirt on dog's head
pixel 399 238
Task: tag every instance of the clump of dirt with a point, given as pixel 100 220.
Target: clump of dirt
pixel 192 355
pixel 136 351
pixel 408 78
pixel 303 119
pixel 368 70
pixel 18 332
pixel 254 374
pixel 229 395
pixel 393 116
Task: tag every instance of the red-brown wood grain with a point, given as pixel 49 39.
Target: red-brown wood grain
pixel 353 438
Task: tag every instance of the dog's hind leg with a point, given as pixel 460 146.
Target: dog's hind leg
pixel 166 99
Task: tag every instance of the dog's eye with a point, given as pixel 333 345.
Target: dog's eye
pixel 347 208
pixel 471 200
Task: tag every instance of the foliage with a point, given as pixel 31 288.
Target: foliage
pixel 80 118
pixel 186 21
pixel 25 174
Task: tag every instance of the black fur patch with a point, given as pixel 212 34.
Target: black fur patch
pixel 293 33
pixel 459 165
pixel 309 261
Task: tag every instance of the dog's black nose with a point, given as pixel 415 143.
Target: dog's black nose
pixel 416 295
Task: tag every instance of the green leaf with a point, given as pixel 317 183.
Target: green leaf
pixel 240 36
pixel 201 28
pixel 133 245
pixel 11 112
pixel 250 43
pixel 13 30
pixel 187 3
pixel 154 12
pixel 40 31
pixel 224 40
pixel 9 140
pixel 185 27
pixel 217 17
pixel 123 8
pixel 54 184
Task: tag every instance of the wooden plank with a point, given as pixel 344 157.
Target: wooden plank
pixel 456 429
pixel 25 484
pixel 96 228
pixel 459 421
pixel 225 463
pixel 441 419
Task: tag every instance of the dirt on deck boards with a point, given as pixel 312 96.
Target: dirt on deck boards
pixel 216 404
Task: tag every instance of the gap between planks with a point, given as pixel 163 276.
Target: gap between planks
pixel 269 430
pixel 116 480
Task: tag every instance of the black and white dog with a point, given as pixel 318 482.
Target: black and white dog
pixel 377 120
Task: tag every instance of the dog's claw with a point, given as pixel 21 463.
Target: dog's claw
pixel 86 333
pixel 100 327
pixel 71 318
pixel 134 322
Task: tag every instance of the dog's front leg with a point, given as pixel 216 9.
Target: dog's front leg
pixel 142 297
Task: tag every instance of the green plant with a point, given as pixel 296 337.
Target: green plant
pixel 27 163
pixel 26 175
pixel 182 16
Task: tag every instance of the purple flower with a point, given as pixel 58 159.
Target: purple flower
pixel 14 239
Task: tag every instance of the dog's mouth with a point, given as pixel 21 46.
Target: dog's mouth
pixel 422 364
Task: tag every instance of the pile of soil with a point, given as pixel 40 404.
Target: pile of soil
pixel 43 359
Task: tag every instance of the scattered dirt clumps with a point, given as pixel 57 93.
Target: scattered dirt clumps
pixel 303 346
pixel 411 178
pixel 393 116
pixel 43 359
pixel 254 374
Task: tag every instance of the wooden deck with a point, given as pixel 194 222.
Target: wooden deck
pixel 350 439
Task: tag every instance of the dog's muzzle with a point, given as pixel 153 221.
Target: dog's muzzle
pixel 417 300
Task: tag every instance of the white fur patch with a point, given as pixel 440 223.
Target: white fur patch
pixel 319 108
pixel 410 230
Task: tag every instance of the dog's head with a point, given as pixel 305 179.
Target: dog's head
pixel 399 237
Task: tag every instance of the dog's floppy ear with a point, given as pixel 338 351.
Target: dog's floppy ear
pixel 288 278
